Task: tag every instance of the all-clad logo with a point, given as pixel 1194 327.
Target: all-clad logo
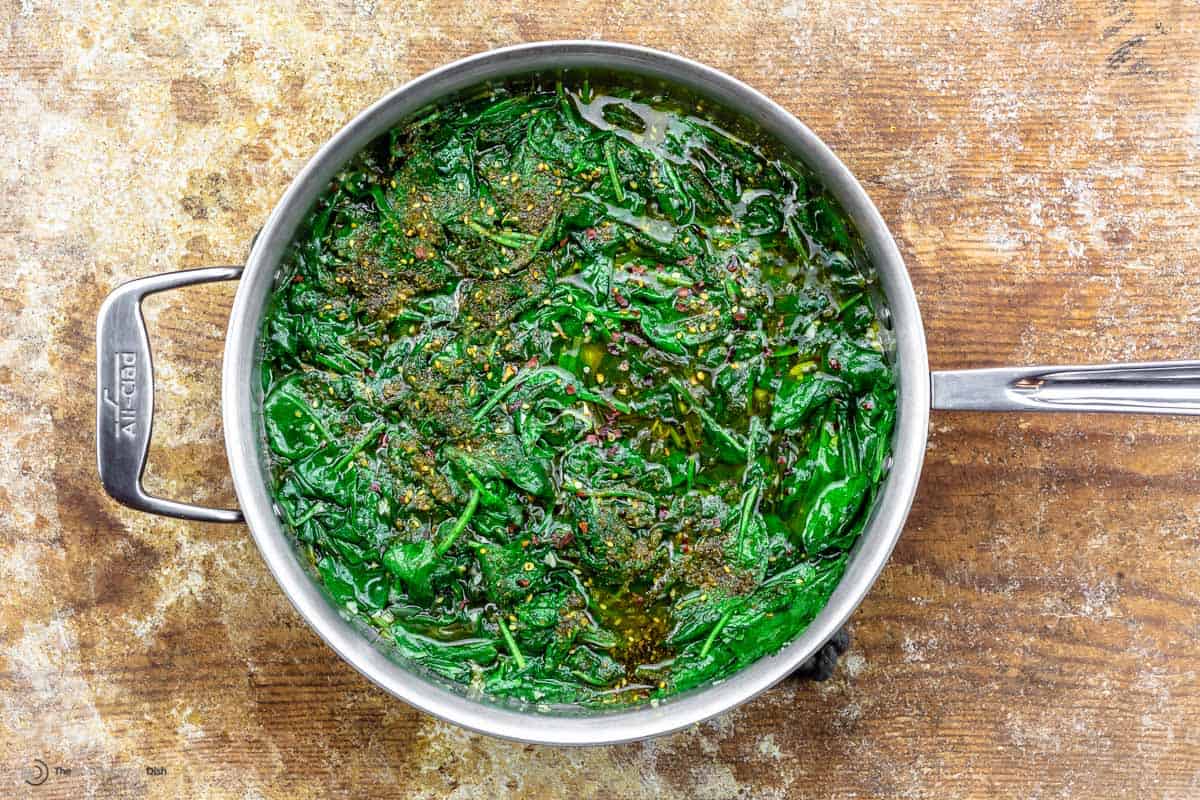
pixel 124 402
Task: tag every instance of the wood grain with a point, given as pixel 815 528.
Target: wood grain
pixel 1036 632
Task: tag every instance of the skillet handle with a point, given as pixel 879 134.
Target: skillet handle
pixel 1150 387
pixel 125 394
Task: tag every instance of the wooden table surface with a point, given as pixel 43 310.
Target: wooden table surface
pixel 1037 632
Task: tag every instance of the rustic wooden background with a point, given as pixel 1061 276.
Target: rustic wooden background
pixel 1037 633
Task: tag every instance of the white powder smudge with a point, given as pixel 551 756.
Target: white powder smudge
pixel 184 576
pixel 1098 600
pixel 187 728
pixel 913 651
pixel 54 704
pixel 854 664
pixel 768 747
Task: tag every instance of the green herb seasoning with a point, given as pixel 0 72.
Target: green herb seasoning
pixel 576 394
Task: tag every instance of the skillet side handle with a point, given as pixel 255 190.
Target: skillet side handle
pixel 1151 387
pixel 125 394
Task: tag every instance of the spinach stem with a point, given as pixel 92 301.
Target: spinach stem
pixel 707 419
pixel 525 375
pixel 611 402
pixel 510 239
pixel 372 434
pixel 748 501
pixel 676 438
pixel 563 101
pixel 609 157
pixel 504 391
pixel 322 221
pixel 673 280
pixel 540 241
pixel 712 637
pixel 512 643
pixel 385 208
pixel 425 120
pixel 461 524
pixel 798 241
pixel 669 171
pixel 634 494
pixel 315 509
pixel 852 301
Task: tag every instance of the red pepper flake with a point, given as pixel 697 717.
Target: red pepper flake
pixel 681 306
pixel 296 279
pixel 570 389
pixel 522 582
pixel 592 439
pixel 687 262
pixel 834 364
pixel 370 373
pixel 781 461
pixel 383 439
pixel 621 301
pixel 686 548
pixel 868 405
pixel 683 291
pixel 739 315
pixel 422 252
pixel 375 487
pixel 532 363
pixel 564 540
pixel 583 527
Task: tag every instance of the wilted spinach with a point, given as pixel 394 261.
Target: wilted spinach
pixel 575 394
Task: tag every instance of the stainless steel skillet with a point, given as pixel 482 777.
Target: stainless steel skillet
pixel 125 399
